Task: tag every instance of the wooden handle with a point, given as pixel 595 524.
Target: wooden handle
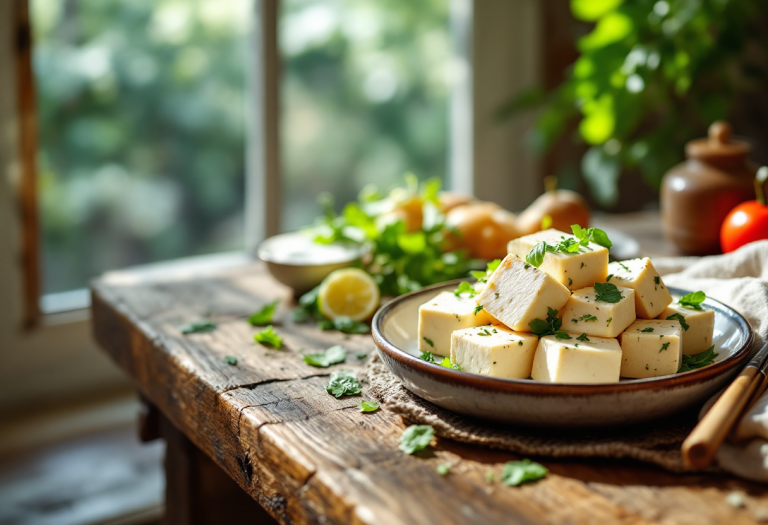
pixel 700 446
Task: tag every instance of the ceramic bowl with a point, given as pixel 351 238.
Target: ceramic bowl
pixel 528 402
pixel 298 262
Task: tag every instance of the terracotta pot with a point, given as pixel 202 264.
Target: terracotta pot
pixel 697 195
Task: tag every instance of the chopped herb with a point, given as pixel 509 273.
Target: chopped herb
pixel 548 327
pixel 583 337
pixel 519 343
pixel 264 316
pixel 664 347
pixel 369 406
pixel 562 335
pixel 609 277
pixel 446 362
pixel 518 472
pixel 463 288
pixel 457 317
pixel 362 355
pixel 609 321
pixel 198 327
pixel 623 266
pixel 570 281
pixel 269 337
pixel 484 332
pixel 608 293
pixel 588 317
pixel 692 362
pixel 693 300
pixel 681 320
pixel 574 320
pixel 489 477
pixel 429 341
pixel 332 356
pixel 344 383
pixel 494 331
pixel 656 282
pixel 649 329
pixel 443 468
pixel 496 294
pixel 230 360
pixel 416 437
pixel 478 308
pixel 537 253
pixel 595 235
pixel 646 367
pixel 427 356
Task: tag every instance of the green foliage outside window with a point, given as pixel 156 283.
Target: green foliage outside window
pixel 651 76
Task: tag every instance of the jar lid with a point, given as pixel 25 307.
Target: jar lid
pixel 718 146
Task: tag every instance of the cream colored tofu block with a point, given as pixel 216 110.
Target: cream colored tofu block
pixel 651 294
pixel 574 270
pixel 583 313
pixel 597 360
pixel 494 351
pixel 701 327
pixel 440 316
pixel 651 348
pixel 517 293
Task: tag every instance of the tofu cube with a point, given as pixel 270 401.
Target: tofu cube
pixel 584 313
pixel 651 295
pixel 494 351
pixel 574 270
pixel 518 292
pixel 700 324
pixel 440 316
pixel 651 348
pixel 595 360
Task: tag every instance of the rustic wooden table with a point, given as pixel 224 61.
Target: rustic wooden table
pixel 307 457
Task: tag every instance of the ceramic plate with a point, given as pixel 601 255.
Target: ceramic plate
pixel 528 402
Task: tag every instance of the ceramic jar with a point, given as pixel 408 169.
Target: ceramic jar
pixel 697 195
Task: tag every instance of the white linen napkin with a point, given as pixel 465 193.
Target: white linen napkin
pixel 740 280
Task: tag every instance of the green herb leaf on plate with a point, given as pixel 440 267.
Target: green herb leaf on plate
pixel 693 362
pixel 518 472
pixel 465 288
pixel 344 383
pixel 562 335
pixel 264 316
pixel 548 327
pixel 198 327
pixel 332 356
pixel 269 337
pixel 429 341
pixel 427 356
pixel 416 437
pixel 446 362
pixel 693 300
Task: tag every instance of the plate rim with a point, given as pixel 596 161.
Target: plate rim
pixel 528 386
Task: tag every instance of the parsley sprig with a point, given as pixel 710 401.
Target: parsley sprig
pixel 268 337
pixel 549 327
pixel 344 383
pixel 608 293
pixel 264 316
pixel 693 300
pixel 700 360
pixel 568 244
pixel 595 235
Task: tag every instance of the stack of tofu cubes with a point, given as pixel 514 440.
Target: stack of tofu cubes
pixel 597 341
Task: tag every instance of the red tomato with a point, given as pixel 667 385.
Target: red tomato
pixel 746 223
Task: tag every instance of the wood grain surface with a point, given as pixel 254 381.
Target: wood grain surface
pixel 308 457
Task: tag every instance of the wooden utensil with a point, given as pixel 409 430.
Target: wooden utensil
pixel 700 446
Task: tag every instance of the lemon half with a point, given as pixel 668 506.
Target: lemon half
pixel 349 292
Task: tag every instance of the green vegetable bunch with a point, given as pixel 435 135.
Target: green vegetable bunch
pixel 651 75
pixel 399 260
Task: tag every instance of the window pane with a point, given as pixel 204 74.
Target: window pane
pixel 364 97
pixel 141 126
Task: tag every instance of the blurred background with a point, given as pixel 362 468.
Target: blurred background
pixel 143 126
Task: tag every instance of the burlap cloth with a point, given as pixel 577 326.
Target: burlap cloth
pixel 740 284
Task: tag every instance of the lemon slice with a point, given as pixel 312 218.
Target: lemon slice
pixel 348 292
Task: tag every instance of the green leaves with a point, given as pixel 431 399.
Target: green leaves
pixel 583 337
pixel 608 293
pixel 332 356
pixel 649 329
pixel 198 327
pixel 446 362
pixel 230 360
pixel 548 327
pixel 693 300
pixel 478 308
pixel 518 472
pixel 562 335
pixel 416 437
pixel 465 288
pixel 344 383
pixel 537 253
pixel 427 356
pixel 587 317
pixel 369 406
pixel 489 269
pixel 595 235
pixel 692 362
pixel 443 468
pixel 681 319
pixel 269 337
pixel 264 316
pixel 429 341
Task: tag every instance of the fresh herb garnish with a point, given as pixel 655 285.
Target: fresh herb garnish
pixel 649 329
pixel 332 356
pixel 198 327
pixel 548 327
pixel 692 362
pixel 562 335
pixel 427 356
pixel 664 347
pixel 446 362
pixel 693 300
pixel 608 293
pixel 416 437
pixel 264 316
pixel 536 256
pixel 681 320
pixel 623 266
pixel 465 288
pixel 429 341
pixel 588 317
pixel 269 337
pixel 583 337
pixel 595 235
pixel 656 282
pixel 518 472
pixel 443 469
pixel 609 321
pixel 570 281
pixel 344 383
pixel 489 269
pixel 362 355
pixel 369 406
pixel 230 360
pixel 609 277
pixel 478 308
pixel 483 332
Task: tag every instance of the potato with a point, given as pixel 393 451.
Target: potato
pixel 482 228
pixel 564 207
